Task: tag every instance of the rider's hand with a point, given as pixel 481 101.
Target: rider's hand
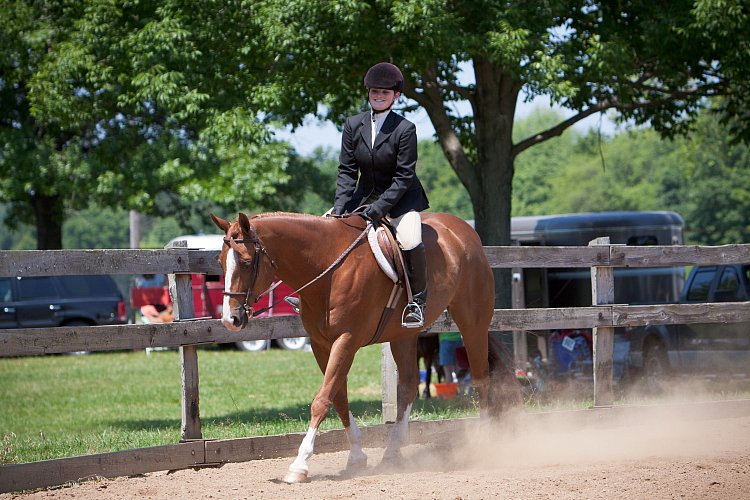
pixel 370 217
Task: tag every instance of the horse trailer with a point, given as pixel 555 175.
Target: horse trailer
pixel 567 353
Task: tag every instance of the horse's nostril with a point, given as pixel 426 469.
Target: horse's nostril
pixel 236 321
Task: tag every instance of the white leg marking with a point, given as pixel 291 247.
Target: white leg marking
pixel 398 435
pixel 305 452
pixel 226 315
pixel 357 458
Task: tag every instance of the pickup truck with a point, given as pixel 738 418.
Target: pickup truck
pixel 713 349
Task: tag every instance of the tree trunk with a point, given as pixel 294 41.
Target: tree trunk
pixel 494 110
pixel 48 211
pixel 488 176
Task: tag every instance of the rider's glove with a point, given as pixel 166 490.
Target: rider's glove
pixel 370 217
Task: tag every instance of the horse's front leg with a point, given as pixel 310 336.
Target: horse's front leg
pixel 405 355
pixel 336 369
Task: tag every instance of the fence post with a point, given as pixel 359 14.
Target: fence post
pixel 181 291
pixel 518 299
pixel 388 383
pixel 603 292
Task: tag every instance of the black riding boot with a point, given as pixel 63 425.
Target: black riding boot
pixel 416 268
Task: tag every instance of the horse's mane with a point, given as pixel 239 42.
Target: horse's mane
pixel 287 215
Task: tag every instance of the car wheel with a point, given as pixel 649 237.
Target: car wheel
pixel 253 345
pixel 656 369
pixel 293 343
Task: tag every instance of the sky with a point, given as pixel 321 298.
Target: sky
pixel 314 133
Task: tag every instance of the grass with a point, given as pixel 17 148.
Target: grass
pixel 61 406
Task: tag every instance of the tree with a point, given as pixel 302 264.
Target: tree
pixel 538 169
pixel 202 80
pixel 725 26
pixel 649 61
pixel 118 102
pixel 440 181
pixel 36 171
pixel 711 189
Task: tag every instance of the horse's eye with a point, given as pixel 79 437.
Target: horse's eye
pixel 246 263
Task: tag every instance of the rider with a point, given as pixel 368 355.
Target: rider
pixel 377 167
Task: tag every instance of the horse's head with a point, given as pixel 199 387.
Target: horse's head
pixel 248 270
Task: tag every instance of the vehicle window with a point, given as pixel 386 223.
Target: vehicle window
pixel 86 286
pixel 729 281
pixel 5 292
pixel 36 288
pixel 729 285
pixel 701 284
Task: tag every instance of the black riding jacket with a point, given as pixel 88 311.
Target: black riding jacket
pixel 386 170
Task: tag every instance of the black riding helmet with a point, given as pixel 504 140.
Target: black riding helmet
pixel 384 76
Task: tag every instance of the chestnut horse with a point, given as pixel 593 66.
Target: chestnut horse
pixel 340 308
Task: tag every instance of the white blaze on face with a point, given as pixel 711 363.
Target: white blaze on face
pixel 226 315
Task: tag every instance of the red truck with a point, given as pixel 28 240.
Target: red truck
pixel 150 296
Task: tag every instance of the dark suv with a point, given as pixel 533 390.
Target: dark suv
pixel 48 301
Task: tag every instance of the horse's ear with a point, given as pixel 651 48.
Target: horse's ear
pixel 220 223
pixel 245 224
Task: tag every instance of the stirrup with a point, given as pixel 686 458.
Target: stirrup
pixel 412 308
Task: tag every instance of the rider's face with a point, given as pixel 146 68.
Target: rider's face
pixel 381 99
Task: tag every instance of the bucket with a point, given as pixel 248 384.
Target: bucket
pixel 446 390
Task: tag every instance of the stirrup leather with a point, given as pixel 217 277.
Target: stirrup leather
pixel 412 308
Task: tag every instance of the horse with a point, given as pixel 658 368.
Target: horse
pixel 342 295
pixel 428 348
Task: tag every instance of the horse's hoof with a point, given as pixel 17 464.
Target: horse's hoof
pixel 390 457
pixel 295 477
pixel 356 463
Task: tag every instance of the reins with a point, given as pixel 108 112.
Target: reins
pixel 255 264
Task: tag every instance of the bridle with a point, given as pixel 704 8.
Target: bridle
pixel 255 266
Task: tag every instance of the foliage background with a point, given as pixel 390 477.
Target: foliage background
pixel 702 177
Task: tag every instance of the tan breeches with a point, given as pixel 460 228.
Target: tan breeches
pixel 408 229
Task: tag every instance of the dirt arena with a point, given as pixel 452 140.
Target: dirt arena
pixel 650 457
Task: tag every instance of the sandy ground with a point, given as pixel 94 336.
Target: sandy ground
pixel 648 459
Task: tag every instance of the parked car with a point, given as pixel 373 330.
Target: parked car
pixel 719 349
pixel 208 297
pixel 50 301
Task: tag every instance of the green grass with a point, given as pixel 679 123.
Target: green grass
pixel 61 406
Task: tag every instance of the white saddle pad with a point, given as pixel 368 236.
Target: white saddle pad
pixel 383 261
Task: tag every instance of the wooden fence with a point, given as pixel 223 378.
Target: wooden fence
pixel 186 333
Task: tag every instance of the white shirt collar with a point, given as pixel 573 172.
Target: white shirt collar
pixel 376 121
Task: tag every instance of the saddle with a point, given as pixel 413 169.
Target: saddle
pixel 387 251
pixel 390 259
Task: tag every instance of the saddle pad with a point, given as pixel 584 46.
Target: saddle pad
pixel 384 262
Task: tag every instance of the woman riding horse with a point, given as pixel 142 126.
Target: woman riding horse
pixel 342 294
pixel 377 167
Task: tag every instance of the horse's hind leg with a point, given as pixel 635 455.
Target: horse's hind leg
pixel 474 332
pixel 495 383
pixel 405 355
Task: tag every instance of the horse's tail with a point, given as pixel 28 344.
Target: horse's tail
pixel 505 391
